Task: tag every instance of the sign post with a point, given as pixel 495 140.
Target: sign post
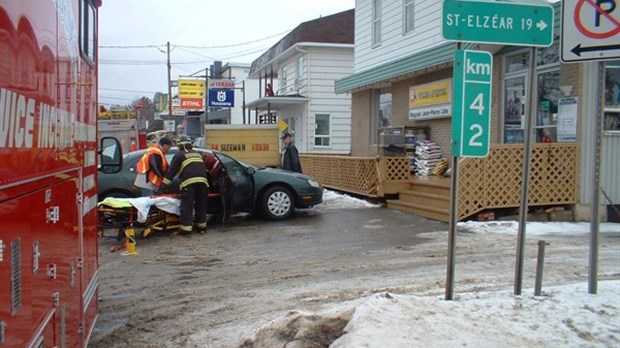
pixel 470 129
pixel 497 23
pixel 590 31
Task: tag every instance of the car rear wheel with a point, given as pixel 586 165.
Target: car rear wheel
pixel 277 203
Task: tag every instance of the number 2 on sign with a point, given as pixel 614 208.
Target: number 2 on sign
pixel 472 140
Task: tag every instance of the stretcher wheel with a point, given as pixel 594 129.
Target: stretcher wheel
pixel 146 233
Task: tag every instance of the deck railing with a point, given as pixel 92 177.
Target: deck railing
pixel 484 183
pixel 367 176
pixel 495 181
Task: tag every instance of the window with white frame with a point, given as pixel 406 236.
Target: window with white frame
pixel 612 97
pixel 381 112
pixel 322 130
pixel 282 89
pixel 376 22
pixel 299 71
pixel 547 95
pixel 408 16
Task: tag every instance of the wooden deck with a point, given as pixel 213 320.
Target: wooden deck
pixel 427 196
pixel 484 183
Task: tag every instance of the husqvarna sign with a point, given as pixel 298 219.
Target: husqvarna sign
pixel 223 98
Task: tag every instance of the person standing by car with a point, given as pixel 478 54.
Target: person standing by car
pixel 152 167
pixel 193 185
pixel 290 155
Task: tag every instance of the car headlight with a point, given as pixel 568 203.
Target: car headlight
pixel 314 183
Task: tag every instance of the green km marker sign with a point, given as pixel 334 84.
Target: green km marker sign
pixel 471 103
pixel 497 23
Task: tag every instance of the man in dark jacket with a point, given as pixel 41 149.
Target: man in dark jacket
pixel 193 185
pixel 290 155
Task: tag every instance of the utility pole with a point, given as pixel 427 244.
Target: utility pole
pixel 207 95
pixel 243 106
pixel 169 83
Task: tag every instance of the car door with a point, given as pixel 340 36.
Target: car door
pixel 242 183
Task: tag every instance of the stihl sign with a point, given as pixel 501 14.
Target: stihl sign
pixel 192 103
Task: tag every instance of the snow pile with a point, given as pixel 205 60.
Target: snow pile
pixel 334 200
pixel 563 316
pixel 536 228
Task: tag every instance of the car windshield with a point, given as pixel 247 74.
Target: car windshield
pixel 233 166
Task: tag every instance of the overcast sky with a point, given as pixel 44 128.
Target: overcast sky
pixel 133 36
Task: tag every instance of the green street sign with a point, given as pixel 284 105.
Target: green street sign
pixel 497 23
pixel 471 103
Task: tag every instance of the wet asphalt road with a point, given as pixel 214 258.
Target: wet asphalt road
pixel 237 277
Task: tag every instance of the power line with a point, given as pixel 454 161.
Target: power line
pixel 131 46
pixel 233 45
pixel 124 90
pixel 146 62
pixel 191 46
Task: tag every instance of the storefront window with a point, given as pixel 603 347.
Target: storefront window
pixel 514 109
pixel 547 96
pixel 547 115
pixel 381 115
pixel 517 62
pixel 612 96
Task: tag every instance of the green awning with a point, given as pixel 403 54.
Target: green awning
pixel 443 53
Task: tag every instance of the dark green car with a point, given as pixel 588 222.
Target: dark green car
pixel 274 192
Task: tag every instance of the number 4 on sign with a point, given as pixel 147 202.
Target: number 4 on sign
pixel 478 104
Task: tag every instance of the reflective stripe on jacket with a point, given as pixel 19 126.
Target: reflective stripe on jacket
pixel 190 167
pixel 144 165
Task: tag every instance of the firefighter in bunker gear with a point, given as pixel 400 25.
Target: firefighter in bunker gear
pixel 154 165
pixel 193 185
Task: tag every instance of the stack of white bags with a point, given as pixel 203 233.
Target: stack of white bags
pixel 427 155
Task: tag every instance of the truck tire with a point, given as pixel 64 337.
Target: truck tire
pixel 277 203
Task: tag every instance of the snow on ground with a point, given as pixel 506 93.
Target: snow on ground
pixel 335 200
pixel 563 316
pixel 536 228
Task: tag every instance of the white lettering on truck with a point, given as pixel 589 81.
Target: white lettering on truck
pixel 56 128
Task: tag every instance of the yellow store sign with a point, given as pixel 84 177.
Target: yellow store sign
pixel 430 100
pixel 192 88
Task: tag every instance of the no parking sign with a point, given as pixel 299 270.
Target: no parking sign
pixel 590 30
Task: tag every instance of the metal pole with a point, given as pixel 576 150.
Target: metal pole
pixel 243 106
pixel 539 267
pixel 525 180
pixel 169 83
pixel 596 185
pixel 207 95
pixel 454 196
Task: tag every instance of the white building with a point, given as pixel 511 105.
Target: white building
pixel 302 68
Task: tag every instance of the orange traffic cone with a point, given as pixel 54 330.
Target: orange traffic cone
pixel 132 146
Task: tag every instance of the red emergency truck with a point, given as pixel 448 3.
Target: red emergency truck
pixel 49 159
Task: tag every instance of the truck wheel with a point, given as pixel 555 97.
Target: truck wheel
pixel 277 203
